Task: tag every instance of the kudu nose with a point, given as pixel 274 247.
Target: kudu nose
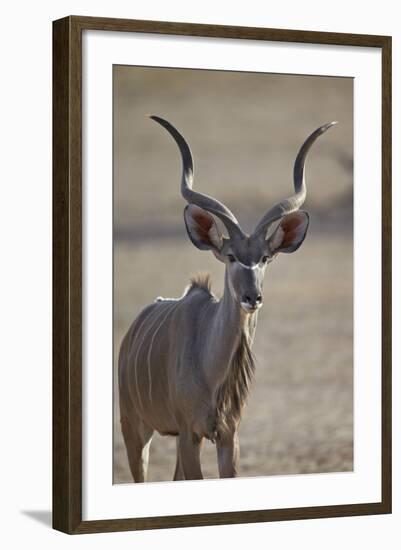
pixel 253 299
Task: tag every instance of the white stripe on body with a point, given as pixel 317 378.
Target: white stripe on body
pixel 174 308
pixel 155 314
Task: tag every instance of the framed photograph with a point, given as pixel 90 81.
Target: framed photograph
pixel 222 275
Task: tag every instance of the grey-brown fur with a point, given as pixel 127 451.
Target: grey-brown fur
pixel 233 392
pixel 202 281
pixel 185 365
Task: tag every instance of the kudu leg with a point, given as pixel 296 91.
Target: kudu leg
pixel 189 447
pixel 137 442
pixel 228 455
pixel 179 472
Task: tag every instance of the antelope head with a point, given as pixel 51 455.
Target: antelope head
pixel 282 229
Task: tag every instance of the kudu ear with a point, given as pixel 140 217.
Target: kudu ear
pixel 202 229
pixel 290 232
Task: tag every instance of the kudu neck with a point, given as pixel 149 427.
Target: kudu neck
pixel 229 324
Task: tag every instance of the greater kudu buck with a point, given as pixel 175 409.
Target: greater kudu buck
pixel 185 365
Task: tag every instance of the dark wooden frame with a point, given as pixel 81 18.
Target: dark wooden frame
pixel 67 278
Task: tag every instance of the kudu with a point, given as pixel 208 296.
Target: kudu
pixel 185 365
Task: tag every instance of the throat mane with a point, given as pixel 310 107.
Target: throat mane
pixel 233 392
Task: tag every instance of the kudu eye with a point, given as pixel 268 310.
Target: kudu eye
pixel 264 259
pixel 231 258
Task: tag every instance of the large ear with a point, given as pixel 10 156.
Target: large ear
pixel 290 232
pixel 202 229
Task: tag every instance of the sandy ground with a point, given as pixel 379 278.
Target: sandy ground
pixel 245 131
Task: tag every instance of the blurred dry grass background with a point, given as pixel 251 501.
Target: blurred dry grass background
pixel 245 130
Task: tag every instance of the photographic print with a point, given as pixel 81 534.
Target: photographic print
pixel 221 274
pixel 232 274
